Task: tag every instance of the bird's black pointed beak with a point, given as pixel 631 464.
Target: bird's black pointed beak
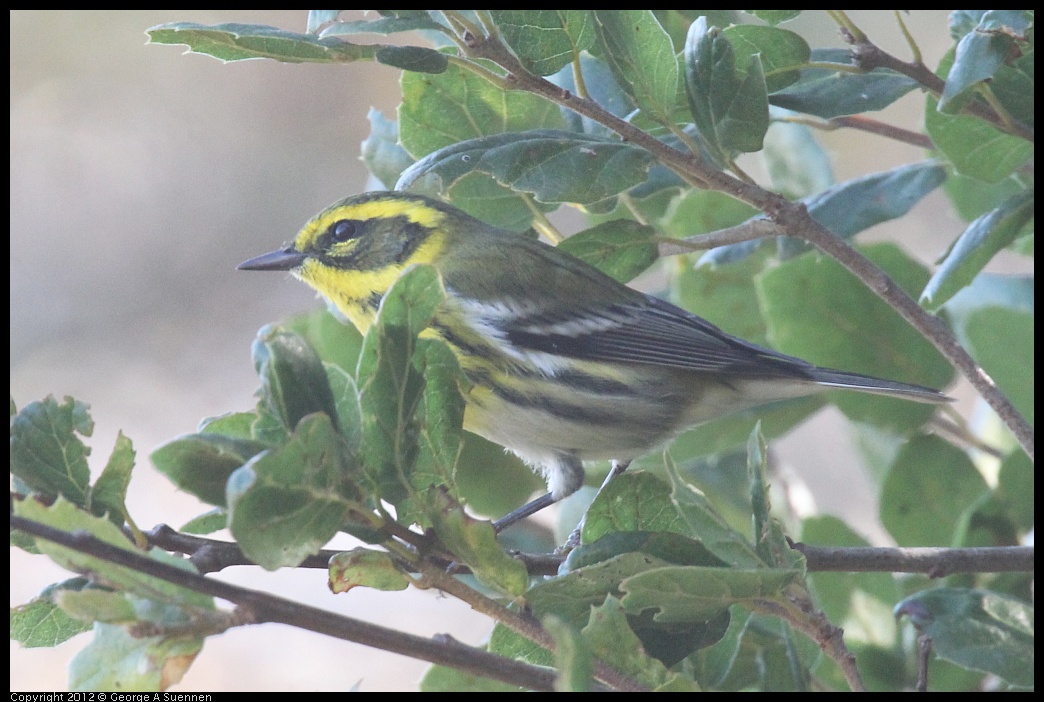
pixel 284 260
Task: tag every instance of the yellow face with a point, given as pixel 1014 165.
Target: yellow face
pixel 356 250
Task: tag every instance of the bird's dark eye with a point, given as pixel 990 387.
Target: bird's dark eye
pixel 343 230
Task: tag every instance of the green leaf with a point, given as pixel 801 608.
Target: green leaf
pixel 287 503
pixel 206 523
pixel 642 57
pixel 976 629
pixel 828 94
pixel 667 546
pixel 1015 489
pixel 441 678
pixel 928 488
pixel 621 248
pixel 782 52
pixel 45 451
pixel 975 148
pixel 116 660
pixel 474 542
pixel 67 517
pixel 612 640
pixel 413 58
pixel 200 464
pixel 694 593
pixel 553 165
pixel 293 380
pixel 976 247
pixel 634 501
pixel 573 658
pixel 109 493
pixel 390 385
pixel 437 111
pixel 858 204
pixel 546 40
pixel 704 522
pixel 365 567
pixel 40 623
pixel 1002 341
pixel 816 310
pixel 775 17
pixel 237 42
pixel 981 53
pixel 383 25
pixel 729 103
pixel 440 110
pixel 439 420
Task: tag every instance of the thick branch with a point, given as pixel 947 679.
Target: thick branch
pixel 264 607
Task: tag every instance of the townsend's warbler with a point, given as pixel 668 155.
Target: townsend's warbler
pixel 566 364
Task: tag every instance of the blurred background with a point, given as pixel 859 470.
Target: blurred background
pixel 141 177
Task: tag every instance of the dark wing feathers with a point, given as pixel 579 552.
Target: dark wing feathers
pixel 649 330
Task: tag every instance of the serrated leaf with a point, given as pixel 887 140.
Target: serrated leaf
pixel 474 542
pixel 554 166
pixel 45 451
pixel 238 42
pixel 69 518
pixel 440 110
pixel 546 40
pixel 977 629
pixel 929 486
pixel 612 640
pixel 976 247
pixel 665 545
pixel 40 623
pixel 694 593
pixel 443 109
pixel 642 56
pixel 621 248
pixel 200 464
pixel 828 94
pixel 704 522
pixel 287 503
pixel 634 501
pixel 109 493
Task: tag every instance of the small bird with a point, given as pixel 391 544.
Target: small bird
pixel 566 364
